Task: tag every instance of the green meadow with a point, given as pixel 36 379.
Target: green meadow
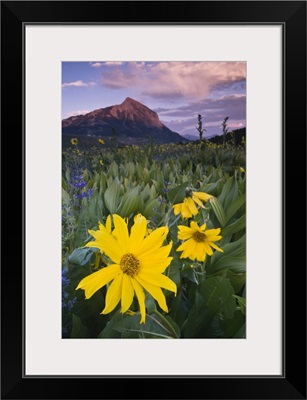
pixel 196 267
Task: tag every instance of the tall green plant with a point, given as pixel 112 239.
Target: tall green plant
pixel 200 128
pixel 225 130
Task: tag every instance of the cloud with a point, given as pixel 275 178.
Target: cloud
pixel 78 84
pixel 184 119
pixel 111 63
pixel 210 109
pixel 166 80
pixel 107 63
pixel 77 112
pixel 96 64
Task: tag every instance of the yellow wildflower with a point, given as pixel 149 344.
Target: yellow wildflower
pixel 198 242
pixel 138 264
pixel 188 207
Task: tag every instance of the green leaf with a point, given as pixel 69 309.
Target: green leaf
pixel 214 299
pixel 234 227
pixel 130 203
pixel 228 186
pixel 232 195
pixel 81 256
pixel 234 206
pixel 218 210
pixel 111 196
pixel 233 257
pixel 237 279
pixel 242 303
pixel 218 294
pixel 65 197
pixel 235 326
pixel 78 330
pixel 129 326
pixel 177 194
pixel 150 208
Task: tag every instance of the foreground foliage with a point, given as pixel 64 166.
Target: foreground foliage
pixel 195 193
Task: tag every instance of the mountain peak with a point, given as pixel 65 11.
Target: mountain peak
pixel 129 100
pixel 130 119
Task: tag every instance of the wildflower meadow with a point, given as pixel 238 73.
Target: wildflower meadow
pixel 153 240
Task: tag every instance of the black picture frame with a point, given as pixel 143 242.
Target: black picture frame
pixel 292 16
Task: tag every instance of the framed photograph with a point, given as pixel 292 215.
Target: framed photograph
pixel 161 151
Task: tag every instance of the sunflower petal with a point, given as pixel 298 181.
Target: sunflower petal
pixel 141 299
pixel 157 265
pixel 184 232
pixel 109 224
pixel 207 248
pixel 113 294
pixel 192 206
pixel 159 280
pixel 155 292
pixel 177 208
pixel 152 242
pixel 216 247
pixel 202 195
pixel 127 293
pixel 122 235
pixel 97 280
pixel 213 232
pixel 197 201
pixel 107 244
pixel 185 210
pixel 137 234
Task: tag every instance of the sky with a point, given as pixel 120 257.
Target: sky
pixel 177 91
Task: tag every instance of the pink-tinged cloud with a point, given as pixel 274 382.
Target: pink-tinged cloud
pixel 112 63
pixel 77 112
pixel 78 84
pixel 106 63
pixel 194 80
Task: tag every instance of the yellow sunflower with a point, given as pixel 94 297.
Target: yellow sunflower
pixel 188 207
pixel 100 141
pixel 198 242
pixel 74 141
pixel 138 264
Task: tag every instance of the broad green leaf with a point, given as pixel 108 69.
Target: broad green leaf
pixel 150 208
pixel 129 203
pixel 65 197
pixel 218 210
pixel 218 294
pixel 237 279
pixel 235 227
pixel 235 326
pixel 214 299
pixel 129 326
pixel 236 264
pixel 228 186
pixel 232 195
pixel 78 330
pixel 242 303
pixel 177 194
pixel 241 333
pixel 81 256
pixel 111 196
pixel 234 206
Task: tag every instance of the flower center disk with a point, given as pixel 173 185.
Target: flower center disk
pixel 199 236
pixel 129 264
